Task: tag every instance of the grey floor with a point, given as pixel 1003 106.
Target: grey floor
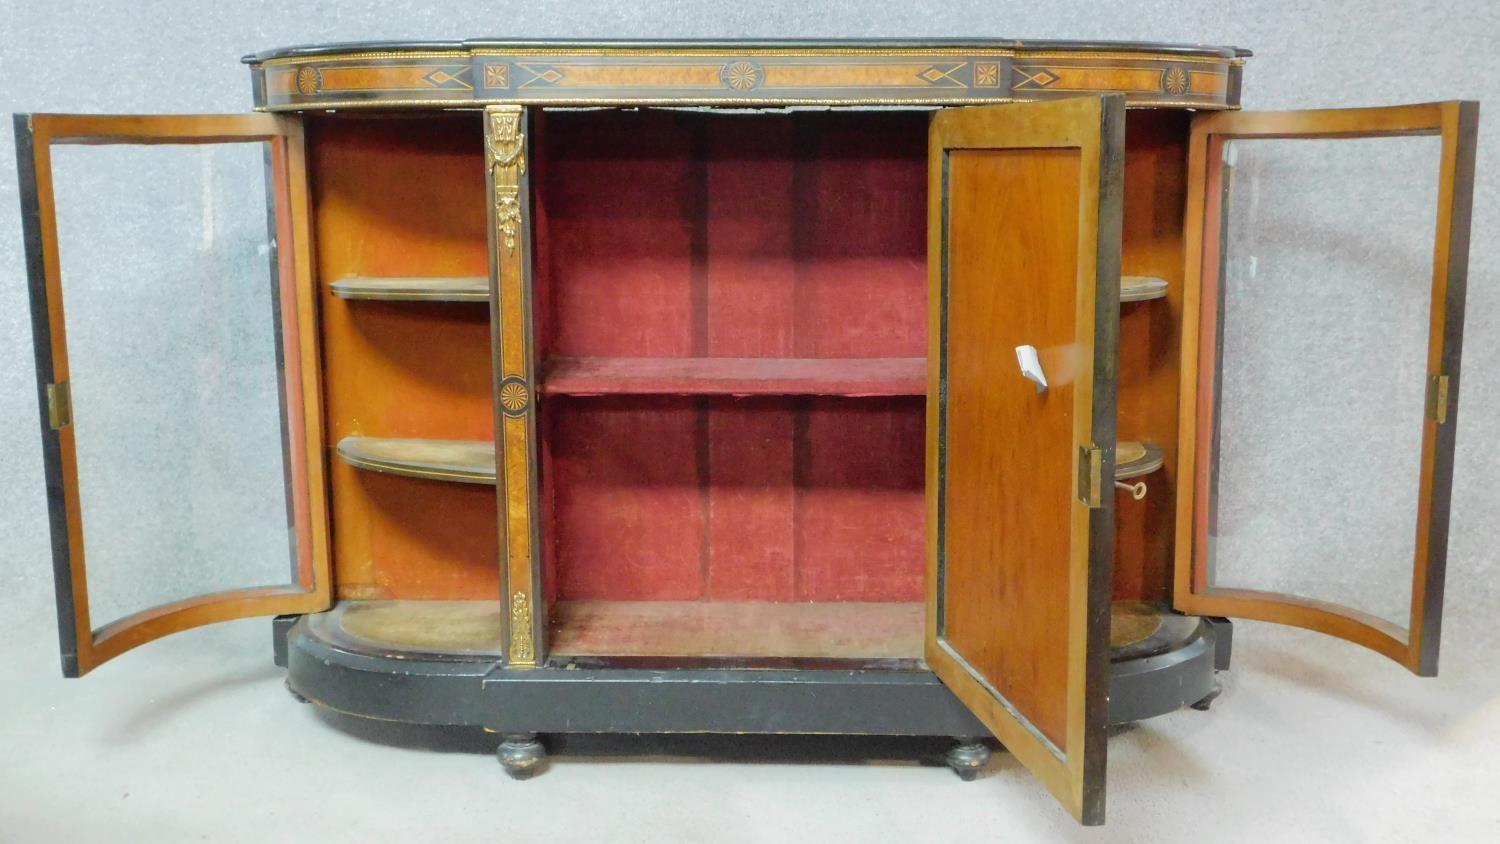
pixel 194 738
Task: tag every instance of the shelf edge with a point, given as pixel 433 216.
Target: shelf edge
pixel 423 289
pixel 1144 289
pixel 348 450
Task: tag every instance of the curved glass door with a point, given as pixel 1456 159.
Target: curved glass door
pixel 177 373
pixel 1321 369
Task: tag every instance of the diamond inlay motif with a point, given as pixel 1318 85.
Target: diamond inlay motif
pixel 541 74
pixel 1039 77
pixel 943 76
pixel 443 78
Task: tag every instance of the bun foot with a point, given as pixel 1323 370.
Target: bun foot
pixel 968 758
pixel 1208 699
pixel 296 695
pixel 521 755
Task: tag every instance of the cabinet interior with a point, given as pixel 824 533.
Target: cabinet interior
pixel 731 327
pixel 398 198
pixel 730 340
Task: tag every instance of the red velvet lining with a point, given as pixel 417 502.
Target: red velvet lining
pixel 758 499
pixel 770 236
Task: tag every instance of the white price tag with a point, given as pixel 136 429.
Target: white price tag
pixel 1031 366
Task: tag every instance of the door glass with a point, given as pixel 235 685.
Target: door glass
pixel 1324 309
pixel 168 291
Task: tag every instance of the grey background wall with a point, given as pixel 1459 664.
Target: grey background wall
pixel 182 57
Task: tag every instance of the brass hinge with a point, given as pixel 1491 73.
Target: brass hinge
pixel 59 405
pixel 1090 475
pixel 1437 398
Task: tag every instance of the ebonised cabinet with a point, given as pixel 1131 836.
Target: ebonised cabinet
pixel 893 387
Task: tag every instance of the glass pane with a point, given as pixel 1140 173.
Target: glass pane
pixel 1327 272
pixel 167 290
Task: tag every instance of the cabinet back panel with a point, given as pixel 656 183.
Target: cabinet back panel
pixel 772 235
pixel 397 196
pixel 683 234
pixel 725 499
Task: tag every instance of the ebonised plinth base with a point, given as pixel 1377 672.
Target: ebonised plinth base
pixel 1168 671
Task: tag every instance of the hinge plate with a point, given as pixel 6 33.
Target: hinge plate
pixel 59 405
pixel 1437 398
pixel 1090 475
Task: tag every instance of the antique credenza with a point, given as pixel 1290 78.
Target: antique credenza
pixel 888 387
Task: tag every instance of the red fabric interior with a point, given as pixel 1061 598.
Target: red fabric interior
pixel 679 234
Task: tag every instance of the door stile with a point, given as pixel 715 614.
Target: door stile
pixel 34 178
pixel 300 353
pixel 1093 589
pixel 1460 131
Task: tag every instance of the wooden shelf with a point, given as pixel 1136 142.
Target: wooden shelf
pixel 462 461
pixel 412 627
pixel 1140 629
pixel 466 289
pixel 1139 288
pixel 842 630
pixel 1133 288
pixel 736 376
pixel 1133 459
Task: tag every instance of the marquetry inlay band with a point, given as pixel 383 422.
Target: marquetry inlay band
pixel 833 75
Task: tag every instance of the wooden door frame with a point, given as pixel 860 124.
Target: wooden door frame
pixel 84 647
pixel 1095 126
pixel 1415 646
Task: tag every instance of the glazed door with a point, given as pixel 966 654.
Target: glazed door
pixel 1024 256
pixel 177 372
pixel 1327 253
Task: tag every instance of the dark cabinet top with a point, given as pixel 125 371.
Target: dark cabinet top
pixel 894 72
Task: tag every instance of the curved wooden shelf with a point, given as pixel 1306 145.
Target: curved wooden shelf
pixel 1140 288
pixel 692 628
pixel 462 289
pixel 1133 459
pixel 1140 629
pixel 461 461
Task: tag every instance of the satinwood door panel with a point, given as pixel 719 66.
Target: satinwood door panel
pixel 1024 258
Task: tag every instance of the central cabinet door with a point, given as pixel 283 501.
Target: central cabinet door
pixel 1024 258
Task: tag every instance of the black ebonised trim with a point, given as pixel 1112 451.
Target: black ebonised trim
pixel 1098 684
pixel 41 338
pixel 671 700
pixel 1453 340
pixel 1167 681
pixel 749 44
